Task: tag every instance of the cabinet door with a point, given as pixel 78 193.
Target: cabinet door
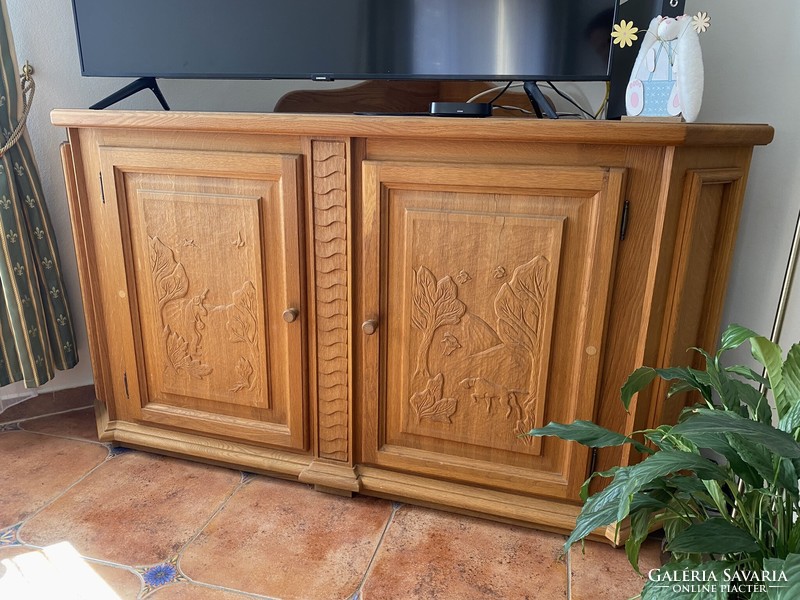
pixel 485 291
pixel 203 260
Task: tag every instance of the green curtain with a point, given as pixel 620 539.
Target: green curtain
pixel 36 334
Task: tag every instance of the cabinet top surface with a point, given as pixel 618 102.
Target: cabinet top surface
pixel 495 128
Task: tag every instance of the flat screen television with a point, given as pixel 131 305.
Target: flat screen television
pixel 501 40
pixel 564 40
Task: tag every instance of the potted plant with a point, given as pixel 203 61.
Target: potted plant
pixel 722 482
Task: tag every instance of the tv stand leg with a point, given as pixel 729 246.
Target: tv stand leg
pixel 143 83
pixel 538 101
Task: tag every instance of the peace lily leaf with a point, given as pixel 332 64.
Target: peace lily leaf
pixel 643 376
pixel 714 536
pixel 638 380
pixel 734 336
pixel 601 509
pixel 791 420
pixel 660 583
pixel 748 373
pixel 703 422
pixel 661 464
pixel 584 493
pixel 588 434
pixel 789 589
pixel 769 354
pixel 755 400
pixel 640 528
pixel 790 373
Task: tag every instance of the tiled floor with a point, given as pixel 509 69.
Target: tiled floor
pixel 81 520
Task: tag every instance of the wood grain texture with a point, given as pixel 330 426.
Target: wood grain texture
pixel 329 191
pixel 473 349
pixel 484 256
pixel 505 129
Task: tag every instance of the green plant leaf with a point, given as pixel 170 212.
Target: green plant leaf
pixel 660 584
pixel 769 354
pixel 714 536
pixel 689 379
pixel 790 567
pixel 588 434
pixel 754 400
pixel 661 464
pixel 748 373
pixel 638 380
pixel 600 509
pixel 754 454
pixel 734 336
pixel 790 373
pixel 640 528
pixel 788 476
pixel 584 493
pixel 791 420
pixel 700 423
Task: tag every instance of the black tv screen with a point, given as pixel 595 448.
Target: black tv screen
pixel 346 39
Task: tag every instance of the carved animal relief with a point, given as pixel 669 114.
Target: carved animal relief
pixel 476 358
pixel 184 320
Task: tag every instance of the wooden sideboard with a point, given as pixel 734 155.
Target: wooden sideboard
pixel 383 304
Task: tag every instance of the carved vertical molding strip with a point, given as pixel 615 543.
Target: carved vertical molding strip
pixel 329 179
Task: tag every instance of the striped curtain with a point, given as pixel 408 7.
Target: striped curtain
pixel 36 335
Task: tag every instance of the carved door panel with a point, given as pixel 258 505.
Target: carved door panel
pixel 210 261
pixel 487 290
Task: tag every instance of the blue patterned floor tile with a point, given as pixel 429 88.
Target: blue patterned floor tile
pixel 9 537
pixel 156 576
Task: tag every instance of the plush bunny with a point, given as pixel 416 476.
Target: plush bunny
pixel 667 77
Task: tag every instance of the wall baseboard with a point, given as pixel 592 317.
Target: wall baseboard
pixel 49 403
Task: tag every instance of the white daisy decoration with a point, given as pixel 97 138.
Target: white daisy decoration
pixel 701 22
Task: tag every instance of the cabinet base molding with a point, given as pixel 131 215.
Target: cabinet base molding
pixel 331 477
pixel 209 450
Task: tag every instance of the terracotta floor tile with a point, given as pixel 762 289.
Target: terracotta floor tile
pixel 284 540
pixel 36 468
pixel 604 573
pixel 59 572
pixel 125 584
pixel 76 424
pixel 187 591
pixel 49 402
pixel 429 554
pixel 136 509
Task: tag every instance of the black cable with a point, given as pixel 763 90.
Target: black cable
pixel 570 100
pixel 503 91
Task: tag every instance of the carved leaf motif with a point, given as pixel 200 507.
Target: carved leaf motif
pixel 435 303
pixel 527 422
pixel 519 305
pixel 169 275
pixel 429 404
pixel 242 323
pixel 244 374
pixel 180 359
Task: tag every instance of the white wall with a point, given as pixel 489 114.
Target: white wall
pixel 751 55
pixel 751 59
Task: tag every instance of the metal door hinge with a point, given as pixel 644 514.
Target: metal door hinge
pixel 102 190
pixel 592 463
pixel 623 226
pixel 125 381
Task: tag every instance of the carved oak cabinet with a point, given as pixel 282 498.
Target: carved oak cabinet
pixel 384 304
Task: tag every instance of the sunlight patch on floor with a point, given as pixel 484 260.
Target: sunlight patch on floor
pixel 56 571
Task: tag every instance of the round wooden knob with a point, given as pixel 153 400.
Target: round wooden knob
pixel 369 327
pixel 290 315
